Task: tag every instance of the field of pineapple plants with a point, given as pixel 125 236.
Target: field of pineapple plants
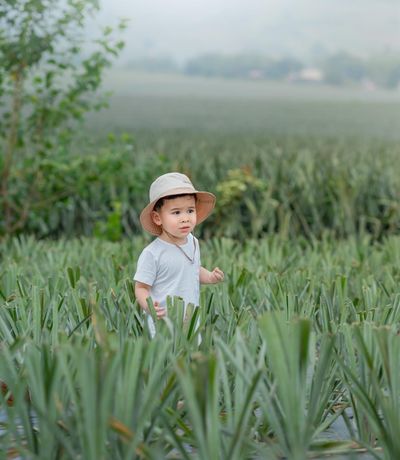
pixel 296 353
pixel 302 334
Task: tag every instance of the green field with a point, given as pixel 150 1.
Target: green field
pixel 161 104
pixel 298 338
pixel 299 348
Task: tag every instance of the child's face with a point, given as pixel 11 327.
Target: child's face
pixel 177 217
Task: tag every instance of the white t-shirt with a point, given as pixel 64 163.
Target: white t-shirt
pixel 169 272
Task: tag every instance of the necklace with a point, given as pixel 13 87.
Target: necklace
pixel 191 259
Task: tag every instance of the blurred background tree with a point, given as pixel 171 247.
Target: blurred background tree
pixel 242 66
pixel 342 68
pixel 49 78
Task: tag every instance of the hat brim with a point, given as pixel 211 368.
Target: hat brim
pixel 205 203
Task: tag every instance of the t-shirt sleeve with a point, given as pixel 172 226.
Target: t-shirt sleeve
pixel 146 268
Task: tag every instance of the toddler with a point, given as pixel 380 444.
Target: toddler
pixel 170 265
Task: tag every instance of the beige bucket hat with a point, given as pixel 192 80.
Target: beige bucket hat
pixel 175 183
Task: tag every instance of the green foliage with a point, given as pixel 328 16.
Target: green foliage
pixel 87 194
pixel 385 70
pixel 298 337
pixel 368 359
pixel 153 64
pixel 46 52
pixel 307 190
pixel 111 229
pixel 343 68
pixel 48 82
pixel 241 66
pixel 287 186
pixel 299 393
pixel 239 196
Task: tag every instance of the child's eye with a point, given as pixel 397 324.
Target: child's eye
pixel 191 211
pixel 176 212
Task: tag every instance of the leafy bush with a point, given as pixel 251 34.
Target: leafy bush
pixel 78 195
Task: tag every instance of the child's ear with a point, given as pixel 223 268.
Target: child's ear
pixel 156 217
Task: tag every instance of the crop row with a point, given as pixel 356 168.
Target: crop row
pixel 291 186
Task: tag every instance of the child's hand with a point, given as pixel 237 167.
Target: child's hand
pixel 216 276
pixel 161 312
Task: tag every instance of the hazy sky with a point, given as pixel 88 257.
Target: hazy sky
pixel 184 28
